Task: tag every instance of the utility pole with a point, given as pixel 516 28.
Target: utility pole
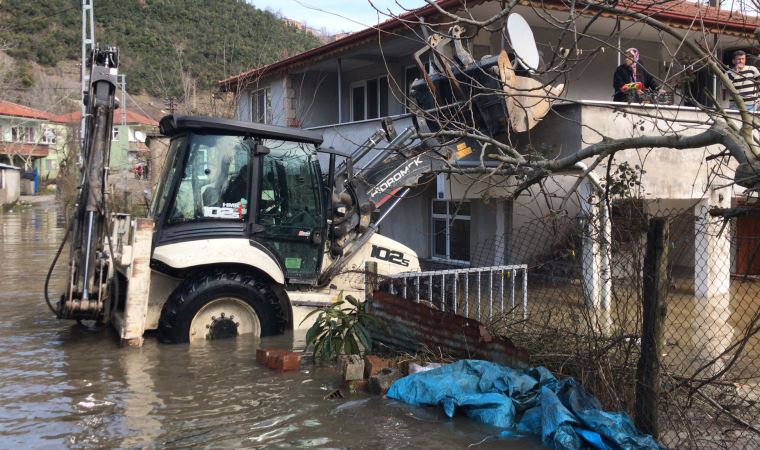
pixel 171 104
pixel 88 36
pixel 123 106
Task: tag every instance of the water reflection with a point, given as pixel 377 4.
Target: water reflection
pixel 712 333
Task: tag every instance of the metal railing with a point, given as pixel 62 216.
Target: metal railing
pixel 459 290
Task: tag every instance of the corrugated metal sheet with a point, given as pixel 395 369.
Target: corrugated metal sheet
pixel 414 327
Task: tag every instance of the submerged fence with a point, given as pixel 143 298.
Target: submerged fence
pixel 574 294
pixel 478 293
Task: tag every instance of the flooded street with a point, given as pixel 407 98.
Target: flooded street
pixel 66 385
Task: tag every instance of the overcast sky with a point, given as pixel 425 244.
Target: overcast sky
pixel 336 15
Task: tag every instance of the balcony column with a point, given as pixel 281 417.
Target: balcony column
pixel 712 249
pixel 340 91
pixel 595 251
pixel 289 99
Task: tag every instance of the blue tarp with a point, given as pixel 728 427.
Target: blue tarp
pixel 530 401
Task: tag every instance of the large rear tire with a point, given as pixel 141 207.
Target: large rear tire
pixel 220 304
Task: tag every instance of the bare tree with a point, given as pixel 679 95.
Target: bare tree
pixel 461 116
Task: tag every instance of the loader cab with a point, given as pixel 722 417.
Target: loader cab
pixel 259 184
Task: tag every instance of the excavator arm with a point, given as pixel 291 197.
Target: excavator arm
pixel 89 263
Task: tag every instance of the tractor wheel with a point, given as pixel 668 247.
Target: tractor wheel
pixel 220 304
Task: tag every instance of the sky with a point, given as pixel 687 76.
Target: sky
pixel 337 15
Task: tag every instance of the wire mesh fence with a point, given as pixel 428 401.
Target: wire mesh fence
pixel 585 291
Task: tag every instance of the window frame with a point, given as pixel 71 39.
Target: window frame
pixel 255 113
pixel 380 79
pixel 449 216
pixel 23 134
pixel 115 134
pixel 48 135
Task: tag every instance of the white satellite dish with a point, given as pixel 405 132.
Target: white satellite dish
pixel 523 42
pixel 140 136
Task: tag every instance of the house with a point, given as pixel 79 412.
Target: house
pixel 129 132
pixel 27 135
pixel 344 88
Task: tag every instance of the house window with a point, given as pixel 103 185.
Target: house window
pixel 115 134
pixel 369 98
pixel 22 134
pixel 261 106
pixel 48 136
pixel 451 230
pixel 49 164
pixel 411 73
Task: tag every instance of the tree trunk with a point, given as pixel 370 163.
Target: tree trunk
pixel 652 328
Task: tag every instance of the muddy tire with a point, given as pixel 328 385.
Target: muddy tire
pixel 220 304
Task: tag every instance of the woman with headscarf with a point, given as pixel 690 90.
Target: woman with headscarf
pixel 631 79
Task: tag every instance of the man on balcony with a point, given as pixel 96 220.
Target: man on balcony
pixel 745 79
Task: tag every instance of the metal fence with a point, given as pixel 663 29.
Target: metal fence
pixel 477 293
pixel 577 309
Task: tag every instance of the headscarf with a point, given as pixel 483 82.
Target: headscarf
pixel 634 52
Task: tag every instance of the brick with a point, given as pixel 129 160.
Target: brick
pixel 356 386
pixel 374 364
pixel 284 360
pixel 262 354
pixel 380 383
pixel 353 369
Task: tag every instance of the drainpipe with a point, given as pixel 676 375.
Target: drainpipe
pixel 340 91
pixel 604 246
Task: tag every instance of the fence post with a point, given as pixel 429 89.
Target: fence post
pixel 370 283
pixel 652 328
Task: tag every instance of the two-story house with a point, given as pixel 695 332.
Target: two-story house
pixel 343 89
pixel 25 134
pixel 32 139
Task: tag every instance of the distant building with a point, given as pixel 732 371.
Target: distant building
pixel 127 139
pixel 26 135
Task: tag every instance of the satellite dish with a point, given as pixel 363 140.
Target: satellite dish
pixel 523 43
pixel 140 136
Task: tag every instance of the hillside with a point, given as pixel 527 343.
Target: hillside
pixel 168 47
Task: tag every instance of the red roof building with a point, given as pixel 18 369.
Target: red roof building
pixel 21 111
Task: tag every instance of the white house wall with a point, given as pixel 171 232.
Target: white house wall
pixel 670 173
pixel 316 96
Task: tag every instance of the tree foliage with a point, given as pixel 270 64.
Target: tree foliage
pixel 161 41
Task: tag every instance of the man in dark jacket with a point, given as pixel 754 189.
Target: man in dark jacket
pixel 631 80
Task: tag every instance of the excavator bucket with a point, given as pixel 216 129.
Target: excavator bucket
pixel 487 94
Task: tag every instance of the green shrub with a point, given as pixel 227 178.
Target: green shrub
pixel 340 329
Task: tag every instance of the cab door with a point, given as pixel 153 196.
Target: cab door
pixel 289 208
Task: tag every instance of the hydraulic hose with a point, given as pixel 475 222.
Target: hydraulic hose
pixel 50 270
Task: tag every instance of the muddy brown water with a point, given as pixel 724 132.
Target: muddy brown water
pixel 63 385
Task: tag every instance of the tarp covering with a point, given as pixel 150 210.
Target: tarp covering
pixel 530 401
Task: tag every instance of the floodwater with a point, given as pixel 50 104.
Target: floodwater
pixel 63 385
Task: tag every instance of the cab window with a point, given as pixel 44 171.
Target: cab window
pixel 215 184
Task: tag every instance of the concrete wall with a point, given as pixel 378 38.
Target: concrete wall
pixel 670 173
pixel 347 137
pixel 10 185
